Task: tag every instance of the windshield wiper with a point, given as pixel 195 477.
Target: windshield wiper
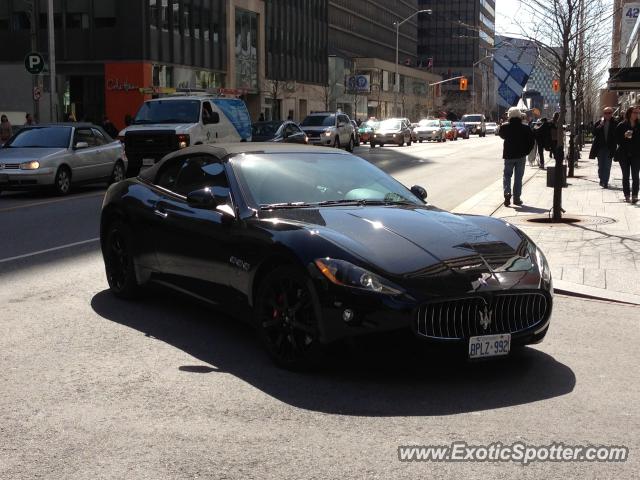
pixel 276 206
pixel 363 201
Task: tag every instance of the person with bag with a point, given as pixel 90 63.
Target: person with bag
pixel 604 145
pixel 518 143
pixel 542 132
pixel 628 153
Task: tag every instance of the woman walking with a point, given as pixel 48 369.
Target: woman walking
pixel 5 130
pixel 628 154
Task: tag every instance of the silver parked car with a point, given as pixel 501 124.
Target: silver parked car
pixel 59 155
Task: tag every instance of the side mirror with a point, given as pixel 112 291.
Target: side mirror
pixel 211 198
pixel 295 138
pixel 81 145
pixel 212 119
pixel 419 192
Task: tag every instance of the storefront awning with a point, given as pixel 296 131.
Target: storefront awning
pixel 624 79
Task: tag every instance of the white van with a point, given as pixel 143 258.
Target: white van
pixel 170 123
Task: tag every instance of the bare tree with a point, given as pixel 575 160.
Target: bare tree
pixel 557 27
pixel 273 90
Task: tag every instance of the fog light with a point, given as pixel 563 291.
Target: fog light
pixel 348 315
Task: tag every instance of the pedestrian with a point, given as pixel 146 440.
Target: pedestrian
pixel 261 118
pixel 29 121
pixel 128 120
pixel 555 150
pixel 518 142
pixel 542 132
pixel 627 136
pixel 109 127
pixel 6 130
pixel 604 145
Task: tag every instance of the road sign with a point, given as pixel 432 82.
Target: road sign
pixel 37 93
pixel 34 63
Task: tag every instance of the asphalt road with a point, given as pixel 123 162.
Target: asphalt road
pixel 451 172
pixel 95 387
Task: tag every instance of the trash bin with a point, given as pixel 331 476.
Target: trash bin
pixel 551 176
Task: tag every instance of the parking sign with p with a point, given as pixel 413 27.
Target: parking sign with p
pixel 34 63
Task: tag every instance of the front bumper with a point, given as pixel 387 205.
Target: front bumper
pixel 322 141
pixel 26 179
pixel 387 138
pixel 374 313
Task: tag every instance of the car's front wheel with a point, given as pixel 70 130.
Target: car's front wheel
pixel 336 142
pixel 118 260
pixel 62 181
pixel 287 318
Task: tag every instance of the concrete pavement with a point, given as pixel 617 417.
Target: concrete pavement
pixel 598 256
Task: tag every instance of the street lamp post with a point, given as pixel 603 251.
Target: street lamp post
pixel 396 86
pixel 473 79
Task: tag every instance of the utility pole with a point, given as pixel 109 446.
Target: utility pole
pixel 35 79
pixel 52 64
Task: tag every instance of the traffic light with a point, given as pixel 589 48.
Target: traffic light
pixel 464 83
pixel 555 85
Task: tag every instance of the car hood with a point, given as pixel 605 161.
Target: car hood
pixel 18 155
pixel 171 127
pixel 419 242
pixel 388 131
pixel 315 129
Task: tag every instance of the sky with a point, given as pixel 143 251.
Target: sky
pixel 506 11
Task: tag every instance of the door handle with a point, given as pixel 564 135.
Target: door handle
pixel 160 212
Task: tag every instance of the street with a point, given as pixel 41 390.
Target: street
pixel 93 386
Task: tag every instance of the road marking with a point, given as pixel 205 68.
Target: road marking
pixel 49 202
pixel 48 250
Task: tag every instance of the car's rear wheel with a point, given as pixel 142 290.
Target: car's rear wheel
pixel 350 145
pixel 118 260
pixel 62 181
pixel 118 173
pixel 287 318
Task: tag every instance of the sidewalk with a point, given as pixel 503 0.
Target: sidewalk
pixel 590 257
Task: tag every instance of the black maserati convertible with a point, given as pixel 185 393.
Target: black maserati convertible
pixel 315 245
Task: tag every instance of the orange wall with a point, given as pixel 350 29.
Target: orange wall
pixel 122 81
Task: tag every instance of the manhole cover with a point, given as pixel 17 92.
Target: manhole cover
pixel 545 221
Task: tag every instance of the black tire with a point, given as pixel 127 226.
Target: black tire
pixel 336 142
pixel 118 173
pixel 350 145
pixel 62 181
pixel 117 252
pixel 286 314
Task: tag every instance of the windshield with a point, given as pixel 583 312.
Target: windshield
pixel 390 125
pixel 265 130
pixel 310 178
pixel 459 124
pixel 429 123
pixel 41 137
pixel 446 123
pixel 319 121
pixel 168 111
pixel 472 118
pixel 370 125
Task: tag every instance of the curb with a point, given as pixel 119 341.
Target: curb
pixel 594 293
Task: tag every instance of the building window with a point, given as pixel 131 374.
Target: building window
pixel 4 16
pixel 186 21
pixel 246 49
pixel 175 7
pixel 104 14
pixel 196 20
pixel 78 14
pixel 153 14
pixel 20 17
pixel 164 15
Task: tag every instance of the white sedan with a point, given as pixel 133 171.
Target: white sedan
pixel 492 128
pixel 60 155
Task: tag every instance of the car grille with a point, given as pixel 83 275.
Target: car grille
pixel 473 316
pixel 152 144
pixel 11 166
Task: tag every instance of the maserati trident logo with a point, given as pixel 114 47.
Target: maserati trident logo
pixel 485 317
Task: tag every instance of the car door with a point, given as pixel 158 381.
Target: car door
pixel 210 123
pixel 86 159
pixel 293 134
pixel 106 153
pixel 194 246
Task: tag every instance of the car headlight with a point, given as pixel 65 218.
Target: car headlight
pixel 183 141
pixel 327 133
pixel 543 265
pixel 345 274
pixel 32 165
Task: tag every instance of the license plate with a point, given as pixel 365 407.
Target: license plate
pixel 489 346
pixel 148 162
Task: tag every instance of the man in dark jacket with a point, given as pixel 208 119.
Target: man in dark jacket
pixel 604 145
pixel 518 143
pixel 542 132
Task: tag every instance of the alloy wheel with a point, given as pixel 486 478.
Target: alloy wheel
pixel 63 181
pixel 118 260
